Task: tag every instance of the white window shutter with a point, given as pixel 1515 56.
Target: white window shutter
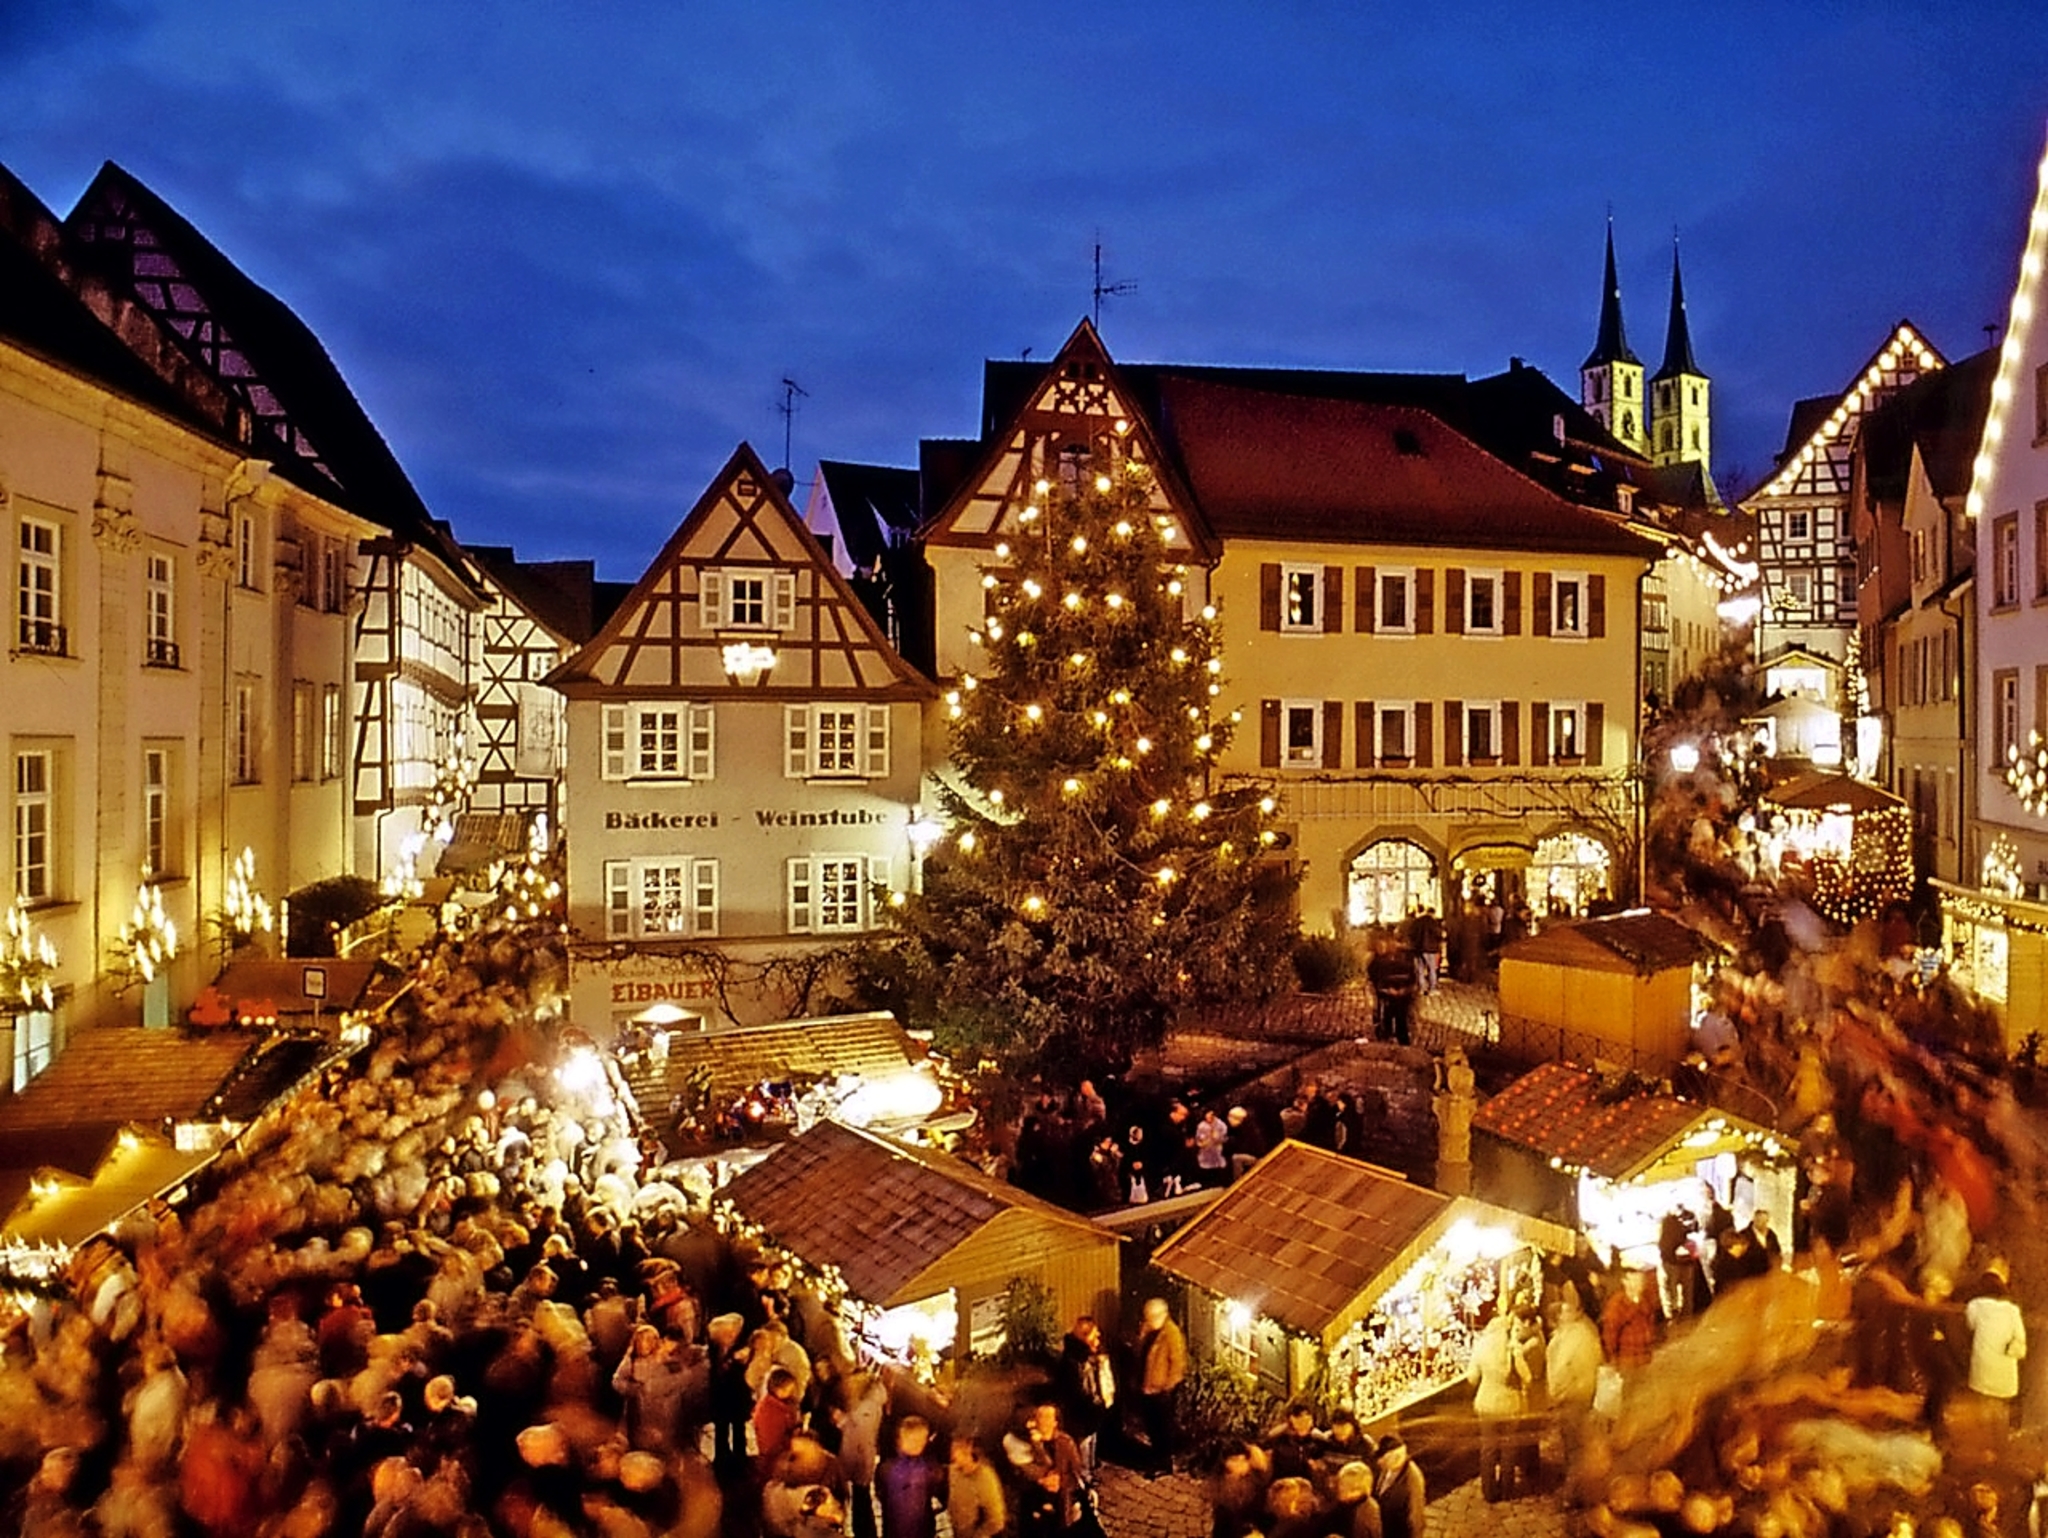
pixel 710 600
pixel 876 765
pixel 796 742
pixel 618 899
pixel 704 897
pixel 616 740
pixel 701 742
pixel 800 896
pixel 784 617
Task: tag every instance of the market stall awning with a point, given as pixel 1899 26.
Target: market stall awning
pixel 1830 793
pixel 64 1210
pixel 882 1212
pixel 347 983
pixel 1571 1116
pixel 480 838
pixel 1638 941
pixel 1312 1240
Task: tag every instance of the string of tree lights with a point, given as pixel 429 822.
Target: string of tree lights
pixel 1100 870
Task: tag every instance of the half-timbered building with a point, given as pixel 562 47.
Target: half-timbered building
pixel 744 769
pixel 1376 572
pixel 1805 541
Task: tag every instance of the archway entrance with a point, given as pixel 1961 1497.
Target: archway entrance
pixel 1391 879
pixel 1571 872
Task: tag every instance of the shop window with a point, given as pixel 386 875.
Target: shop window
pixel 1390 880
pixel 1568 873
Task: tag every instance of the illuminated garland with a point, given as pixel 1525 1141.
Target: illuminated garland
pixel 28 962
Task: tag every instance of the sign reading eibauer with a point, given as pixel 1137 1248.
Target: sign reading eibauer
pixel 766 817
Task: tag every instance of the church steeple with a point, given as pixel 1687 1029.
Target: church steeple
pixel 1680 393
pixel 1611 378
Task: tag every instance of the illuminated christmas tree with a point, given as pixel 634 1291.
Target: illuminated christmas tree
pixel 1100 872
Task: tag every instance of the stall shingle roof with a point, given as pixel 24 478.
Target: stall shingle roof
pixel 882 1212
pixel 1566 1112
pixel 1303 1235
pixel 866 1046
pixel 1647 943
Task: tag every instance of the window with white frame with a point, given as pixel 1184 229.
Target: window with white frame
pixel 39 588
pixel 2005 719
pixel 1396 600
pixel 1396 731
pixel 659 742
pixel 330 732
pixel 35 817
pixel 1301 734
pixel 35 1045
pixel 159 611
pixel 1798 524
pixel 1568 604
pixel 1567 730
pixel 1799 589
pixel 1301 598
pixel 158 851
pixel 747 598
pixel 835 742
pixel 247 567
pixel 1482 730
pixel 828 894
pixel 248 743
pixel 1482 603
pixel 2005 560
pixel 662 897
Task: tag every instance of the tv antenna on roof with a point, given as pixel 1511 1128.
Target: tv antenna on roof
pixel 790 391
pixel 1102 290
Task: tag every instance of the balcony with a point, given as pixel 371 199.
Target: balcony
pixel 159 652
pixel 43 638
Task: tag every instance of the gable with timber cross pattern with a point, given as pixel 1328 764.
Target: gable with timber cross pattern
pixel 671 634
pixel 1079 404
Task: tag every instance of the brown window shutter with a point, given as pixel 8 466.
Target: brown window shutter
pixel 1425 728
pixel 1539 600
pixel 1333 734
pixel 1269 596
pixel 1511 731
pixel 1454 601
pixel 1362 724
pixel 1539 733
pixel 1454 733
pixel 1511 603
pixel 1269 734
pixel 1363 600
pixel 1596 606
pixel 1596 732
pixel 1425 601
pixel 1333 599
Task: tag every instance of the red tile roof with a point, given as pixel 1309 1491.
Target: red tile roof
pixel 882 1212
pixel 1304 1235
pixel 1565 1112
pixel 1264 465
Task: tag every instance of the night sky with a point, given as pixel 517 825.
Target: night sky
pixel 565 252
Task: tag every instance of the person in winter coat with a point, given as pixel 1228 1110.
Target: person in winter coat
pixel 1501 1370
pixel 860 1445
pixel 974 1493
pixel 1047 1469
pixel 1162 1367
pixel 1571 1369
pixel 1087 1387
pixel 1294 1448
pixel 1294 1509
pixel 1212 1141
pixel 732 1401
pixel 775 1421
pixel 650 1382
pixel 1355 1514
pixel 1237 1494
pixel 1399 1487
pixel 1998 1343
pixel 1630 1322
pixel 908 1484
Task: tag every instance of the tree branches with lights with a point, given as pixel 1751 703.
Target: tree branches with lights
pixel 1100 871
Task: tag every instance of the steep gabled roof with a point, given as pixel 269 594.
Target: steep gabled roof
pixel 881 1211
pixel 1275 467
pixel 650 647
pixel 873 506
pixel 1942 416
pixel 561 595
pixel 1678 357
pixel 1824 429
pixel 302 414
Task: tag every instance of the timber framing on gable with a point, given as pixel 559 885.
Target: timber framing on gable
pixel 669 638
pixel 1081 416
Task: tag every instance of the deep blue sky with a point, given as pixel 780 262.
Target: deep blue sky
pixel 565 251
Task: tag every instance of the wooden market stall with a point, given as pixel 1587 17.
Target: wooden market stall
pixel 1844 841
pixel 912 1245
pixel 1612 1158
pixel 1619 989
pixel 1313 1263
pixel 1996 943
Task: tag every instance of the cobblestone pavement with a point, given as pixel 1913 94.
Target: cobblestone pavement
pixel 1176 1507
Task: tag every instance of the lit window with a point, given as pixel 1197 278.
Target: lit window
pixel 39 616
pixel 330 732
pixel 34 819
pixel 828 894
pixel 156 811
pixel 1301 734
pixel 665 898
pixel 1567 731
pixel 248 735
pixel 159 614
pixel 835 742
pixel 246 568
pixel 658 742
pixel 1568 605
pixel 1301 598
pixel 747 599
